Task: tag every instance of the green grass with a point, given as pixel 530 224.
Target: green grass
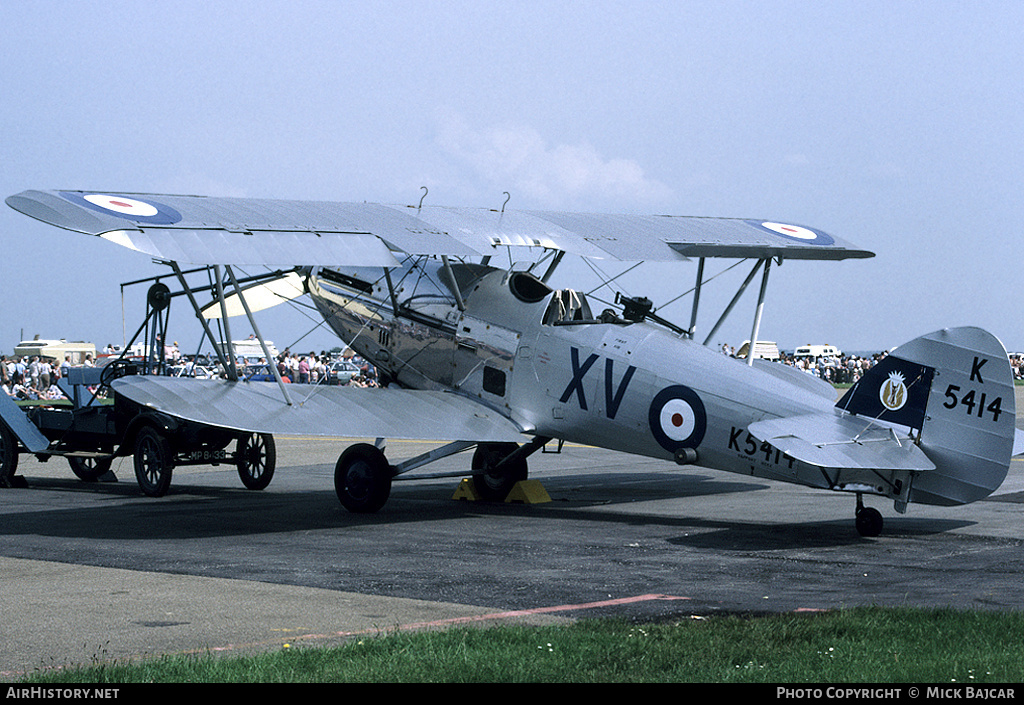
pixel 864 645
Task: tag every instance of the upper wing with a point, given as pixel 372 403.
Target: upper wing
pixel 340 412
pixel 243 231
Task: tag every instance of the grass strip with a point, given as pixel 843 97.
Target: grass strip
pixel 861 645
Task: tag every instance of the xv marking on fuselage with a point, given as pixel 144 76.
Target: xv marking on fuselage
pixel 613 394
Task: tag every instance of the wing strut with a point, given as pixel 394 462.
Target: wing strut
pixel 232 368
pixel 551 267
pixel 455 283
pixel 696 299
pixel 735 298
pixel 227 359
pixel 391 291
pixel 757 313
pixel 256 330
pixel 202 320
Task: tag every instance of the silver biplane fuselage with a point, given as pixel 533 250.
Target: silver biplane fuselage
pixel 544 359
pixel 486 358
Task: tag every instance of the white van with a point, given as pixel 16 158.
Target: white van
pixel 764 350
pixel 56 349
pixel 817 351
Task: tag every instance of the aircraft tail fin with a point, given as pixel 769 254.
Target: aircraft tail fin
pixel 955 388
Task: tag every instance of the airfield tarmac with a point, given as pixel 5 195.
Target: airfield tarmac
pixel 99 573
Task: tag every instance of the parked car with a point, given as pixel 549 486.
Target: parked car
pixel 259 373
pixel 341 372
pixel 197 371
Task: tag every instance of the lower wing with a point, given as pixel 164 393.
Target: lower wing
pixel 341 412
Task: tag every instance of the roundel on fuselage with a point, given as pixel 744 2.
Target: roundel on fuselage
pixel 677 418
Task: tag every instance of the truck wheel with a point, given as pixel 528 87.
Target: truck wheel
pixel 153 464
pixel 256 456
pixel 8 456
pixel 89 469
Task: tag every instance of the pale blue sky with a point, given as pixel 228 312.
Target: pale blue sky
pixel 895 125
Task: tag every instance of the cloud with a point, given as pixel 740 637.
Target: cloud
pixel 517 159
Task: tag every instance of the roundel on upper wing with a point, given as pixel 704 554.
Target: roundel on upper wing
pixel 141 211
pixel 677 418
pixel 795 232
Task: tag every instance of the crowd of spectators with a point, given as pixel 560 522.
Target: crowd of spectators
pixel 324 369
pixel 1017 363
pixel 34 377
pixel 294 368
pixel 847 369
pixel 836 369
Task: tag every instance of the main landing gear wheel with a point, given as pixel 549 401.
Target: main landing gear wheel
pixel 869 520
pixel 494 486
pixel 362 478
pixel 256 456
pixel 153 463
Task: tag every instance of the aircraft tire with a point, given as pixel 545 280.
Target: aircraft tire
pixel 89 469
pixel 494 487
pixel 8 456
pixel 362 478
pixel 152 460
pixel 257 458
pixel 869 522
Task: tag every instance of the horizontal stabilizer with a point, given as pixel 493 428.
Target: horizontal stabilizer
pixel 834 442
pixel 339 412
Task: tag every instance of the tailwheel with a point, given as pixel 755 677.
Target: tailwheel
pixel 868 520
pixel 256 456
pixel 153 462
pixel 362 478
pixel 492 481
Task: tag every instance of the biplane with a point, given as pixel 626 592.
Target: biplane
pixel 493 358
